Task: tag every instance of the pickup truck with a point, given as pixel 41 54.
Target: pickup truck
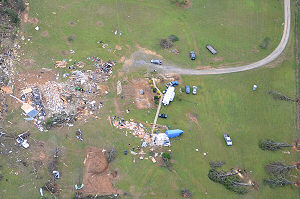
pixel 227 140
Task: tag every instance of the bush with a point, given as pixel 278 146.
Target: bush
pixel 154 90
pixel 265 43
pixel 173 38
pixel 20 5
pixel 70 38
pixel 166 156
pixel 166 43
pixel 155 97
pixel 13 16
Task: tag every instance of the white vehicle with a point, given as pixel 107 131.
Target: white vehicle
pixel 194 90
pixel 228 140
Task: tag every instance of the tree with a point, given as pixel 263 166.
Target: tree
pixel 216 164
pixel 110 154
pixel 166 160
pixel 166 43
pixel 278 168
pixel 154 90
pixel 229 180
pixel 277 182
pixel 271 145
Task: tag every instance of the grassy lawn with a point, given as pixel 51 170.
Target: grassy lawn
pixel 234 28
pixel 224 103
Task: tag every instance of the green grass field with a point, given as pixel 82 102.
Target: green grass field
pixel 224 103
pixel 234 28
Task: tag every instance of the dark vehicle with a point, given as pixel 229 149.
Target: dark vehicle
pixel 156 61
pixel 187 89
pixel 211 49
pixel 192 55
pixel 163 116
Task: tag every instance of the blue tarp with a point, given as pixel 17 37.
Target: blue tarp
pixel 33 113
pixel 173 133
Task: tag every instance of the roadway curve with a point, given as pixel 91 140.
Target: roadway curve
pixel 268 59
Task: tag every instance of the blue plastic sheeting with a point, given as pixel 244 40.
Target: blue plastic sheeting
pixel 33 113
pixel 173 133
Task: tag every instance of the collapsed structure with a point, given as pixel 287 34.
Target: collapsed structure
pixel 169 95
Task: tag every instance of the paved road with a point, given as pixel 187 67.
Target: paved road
pixel 268 59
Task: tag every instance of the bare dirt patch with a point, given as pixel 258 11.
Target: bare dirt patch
pixel 148 52
pixel 117 109
pixel 193 117
pixel 28 63
pixel 100 24
pixel 118 47
pixel 37 78
pixel 97 178
pixel 64 53
pixel 27 19
pixel 45 34
pixel 186 4
pixel 218 59
pixel 141 101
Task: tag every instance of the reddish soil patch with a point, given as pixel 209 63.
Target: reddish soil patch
pixel 193 117
pixel 100 23
pixel 118 47
pixel 186 4
pixel 24 79
pixel 64 53
pixel 133 90
pixel 45 34
pixel 97 179
pixel 117 109
pixel 28 63
pixel 218 59
pixel 27 19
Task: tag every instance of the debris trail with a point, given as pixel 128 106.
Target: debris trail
pixel 158 108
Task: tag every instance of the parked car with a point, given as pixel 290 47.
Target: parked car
pixel 163 116
pixel 156 61
pixel 187 89
pixel 194 90
pixel 192 55
pixel 211 49
pixel 174 83
pixel 228 140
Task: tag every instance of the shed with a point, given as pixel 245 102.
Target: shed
pixel 174 133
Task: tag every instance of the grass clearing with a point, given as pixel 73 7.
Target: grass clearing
pixel 224 103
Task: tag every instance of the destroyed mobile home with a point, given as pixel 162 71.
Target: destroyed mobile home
pixel 61 103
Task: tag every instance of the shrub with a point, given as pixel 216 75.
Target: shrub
pixel 20 5
pixel 13 16
pixel 265 43
pixel 154 90
pixel 173 38
pixel 155 97
pixel 166 43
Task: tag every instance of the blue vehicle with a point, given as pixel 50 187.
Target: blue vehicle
pixel 187 89
pixel 174 83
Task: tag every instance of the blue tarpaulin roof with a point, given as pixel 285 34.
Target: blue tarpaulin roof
pixel 33 113
pixel 173 133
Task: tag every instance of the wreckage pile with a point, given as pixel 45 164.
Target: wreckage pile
pixel 56 104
